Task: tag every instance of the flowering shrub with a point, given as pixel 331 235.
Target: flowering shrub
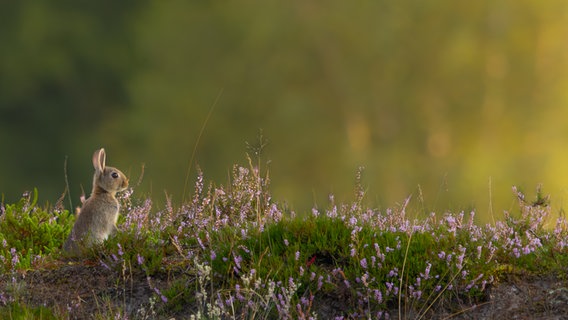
pixel 27 232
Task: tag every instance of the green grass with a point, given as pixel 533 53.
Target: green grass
pixel 16 311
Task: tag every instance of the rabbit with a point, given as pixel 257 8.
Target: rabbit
pixel 99 213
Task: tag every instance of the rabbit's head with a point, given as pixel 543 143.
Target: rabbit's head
pixel 107 179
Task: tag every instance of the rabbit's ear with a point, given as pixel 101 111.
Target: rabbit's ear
pixel 99 159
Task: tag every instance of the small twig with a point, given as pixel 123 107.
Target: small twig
pixel 178 249
pixel 402 276
pixel 440 293
pixel 67 184
pixel 190 164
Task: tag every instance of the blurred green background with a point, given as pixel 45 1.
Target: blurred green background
pixel 452 102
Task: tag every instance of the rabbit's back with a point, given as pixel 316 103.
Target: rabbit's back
pixel 100 215
pixel 96 221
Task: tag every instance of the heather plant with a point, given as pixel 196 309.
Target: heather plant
pixel 369 267
pixel 523 241
pixel 29 233
pixel 139 243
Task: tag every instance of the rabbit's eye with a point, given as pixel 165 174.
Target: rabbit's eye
pixel 114 175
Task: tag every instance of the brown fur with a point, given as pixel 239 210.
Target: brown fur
pixel 98 215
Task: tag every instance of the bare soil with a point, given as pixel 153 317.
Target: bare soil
pixel 83 290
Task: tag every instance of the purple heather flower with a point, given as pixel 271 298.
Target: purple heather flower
pixel 36 259
pixel 15 258
pixel 105 265
pixel 516 252
pixel 291 282
pixel 238 260
pixel 356 229
pixel 377 248
pixel 426 274
pixel 175 239
pixel 417 294
pixel 315 212
pixel 140 259
pixel 393 273
pixel 378 296
pixel 281 301
pixel 459 263
pixel 333 212
pixel 365 279
pixel 353 221
pixel 239 296
pixel 363 263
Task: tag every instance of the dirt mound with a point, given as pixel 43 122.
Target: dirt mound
pixel 81 290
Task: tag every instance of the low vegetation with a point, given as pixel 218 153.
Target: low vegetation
pixel 231 251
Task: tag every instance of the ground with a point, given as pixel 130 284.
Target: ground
pixel 83 290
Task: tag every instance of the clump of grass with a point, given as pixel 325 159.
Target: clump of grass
pixel 20 311
pixel 232 251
